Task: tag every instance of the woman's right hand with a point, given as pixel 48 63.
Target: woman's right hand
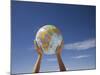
pixel 38 49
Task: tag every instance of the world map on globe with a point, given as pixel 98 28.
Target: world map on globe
pixel 48 38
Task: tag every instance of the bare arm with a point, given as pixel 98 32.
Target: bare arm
pixel 38 62
pixel 60 62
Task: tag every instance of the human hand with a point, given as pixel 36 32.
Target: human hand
pixel 38 62
pixel 38 49
pixel 58 53
pixel 59 48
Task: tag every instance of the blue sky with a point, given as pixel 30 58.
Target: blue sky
pixel 76 23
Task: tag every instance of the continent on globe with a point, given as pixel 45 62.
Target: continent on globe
pixel 48 38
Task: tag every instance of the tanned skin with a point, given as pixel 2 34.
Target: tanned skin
pixel 40 54
pixel 38 62
pixel 58 54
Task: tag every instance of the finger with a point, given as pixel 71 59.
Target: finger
pixel 36 44
pixel 40 49
pixel 57 48
pixel 62 44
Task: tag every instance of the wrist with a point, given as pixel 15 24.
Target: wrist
pixel 58 54
pixel 40 55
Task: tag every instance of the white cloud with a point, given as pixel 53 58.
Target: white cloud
pixel 81 45
pixel 81 56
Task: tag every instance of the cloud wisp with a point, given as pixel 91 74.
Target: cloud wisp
pixel 81 56
pixel 81 45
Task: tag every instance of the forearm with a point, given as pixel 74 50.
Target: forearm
pixel 60 62
pixel 37 65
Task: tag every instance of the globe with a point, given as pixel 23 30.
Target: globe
pixel 48 38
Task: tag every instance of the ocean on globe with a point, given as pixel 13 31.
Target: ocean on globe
pixel 48 38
